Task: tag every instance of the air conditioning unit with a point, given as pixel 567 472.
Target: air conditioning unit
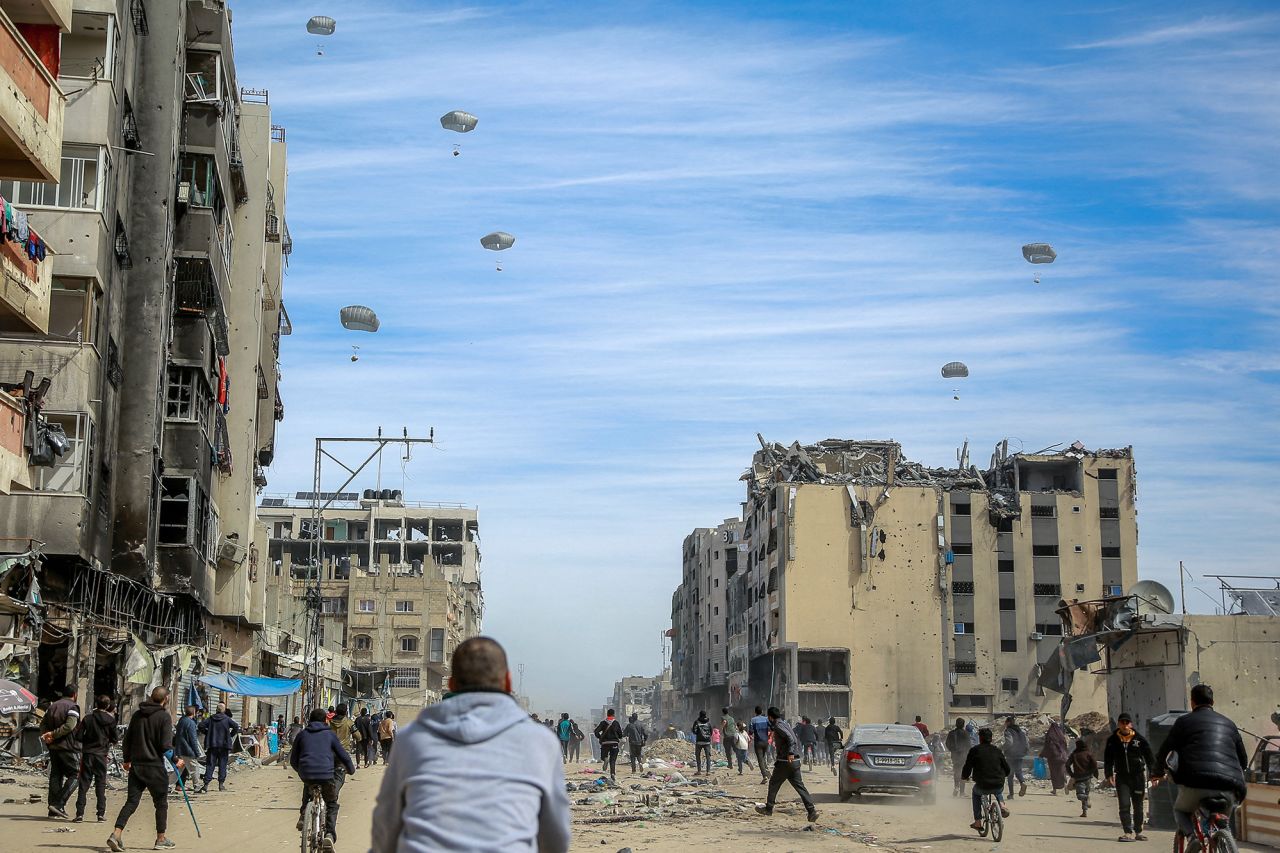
pixel 1036 635
pixel 184 192
pixel 231 551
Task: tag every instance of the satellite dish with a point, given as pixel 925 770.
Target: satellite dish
pixel 1151 597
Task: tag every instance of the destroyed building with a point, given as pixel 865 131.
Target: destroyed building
pixel 399 583
pixel 164 201
pixel 872 588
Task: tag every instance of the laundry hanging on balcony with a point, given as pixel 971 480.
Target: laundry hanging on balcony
pixel 17 229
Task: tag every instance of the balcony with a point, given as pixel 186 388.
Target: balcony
pixel 15 474
pixel 25 290
pixel 31 104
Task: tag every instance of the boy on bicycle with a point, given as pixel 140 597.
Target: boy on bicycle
pixel 314 758
pixel 989 769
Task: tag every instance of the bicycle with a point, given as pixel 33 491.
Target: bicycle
pixel 313 822
pixel 1212 827
pixel 992 819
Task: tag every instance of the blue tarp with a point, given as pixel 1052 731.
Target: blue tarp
pixel 251 685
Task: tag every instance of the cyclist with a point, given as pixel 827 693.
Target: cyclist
pixel 1211 760
pixel 314 757
pixel 989 769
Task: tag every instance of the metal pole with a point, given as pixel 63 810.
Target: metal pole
pixel 1182 586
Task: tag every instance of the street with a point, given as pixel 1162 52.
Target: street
pixel 257 813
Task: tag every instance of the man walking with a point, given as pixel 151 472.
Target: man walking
pixel 387 735
pixel 146 742
pixel 319 758
pixel 344 727
pixel 97 735
pixel 760 736
pixel 835 742
pixel 636 739
pixel 728 736
pixel 1015 748
pixel 455 763
pixel 363 736
pixel 701 729
pixel 564 730
pixel 1127 761
pixel 609 733
pixel 787 766
pixel 59 735
pixel 185 743
pixel 958 746
pixel 808 741
pixel 919 724
pixel 219 732
pixel 575 745
pixel 741 743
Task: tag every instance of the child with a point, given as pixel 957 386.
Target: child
pixel 1083 769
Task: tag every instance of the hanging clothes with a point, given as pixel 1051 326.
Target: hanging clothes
pixel 222 381
pixel 21 225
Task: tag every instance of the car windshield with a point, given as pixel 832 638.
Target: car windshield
pixel 888 734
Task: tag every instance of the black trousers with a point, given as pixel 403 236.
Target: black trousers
pixel 64 770
pixel 153 779
pixel 216 760
pixel 93 771
pixel 727 742
pixel 762 758
pixel 329 791
pixel 700 751
pixel 833 753
pixel 788 771
pixel 1132 801
pixel 636 760
pixel 609 758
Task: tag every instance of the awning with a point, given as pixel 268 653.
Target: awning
pixel 251 685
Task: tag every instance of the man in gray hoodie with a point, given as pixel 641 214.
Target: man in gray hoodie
pixel 454 763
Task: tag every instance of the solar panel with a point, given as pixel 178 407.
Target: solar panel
pixel 328 496
pixel 273 502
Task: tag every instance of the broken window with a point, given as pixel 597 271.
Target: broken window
pixel 333 605
pixel 1110 551
pixel 437 645
pixel 198 182
pixel 964 667
pixel 1004 525
pixel 362 642
pixel 818 667
pixel 962 587
pixel 81 183
pixel 88 50
pixel 1109 512
pixel 71 473
pixel 408 643
pixel 1049 629
pixel 1005 566
pixel 968 701
pixel 187 397
pixel 204 76
pixel 1009 685
pixel 1043 511
pixel 404 606
pixel 1008 645
pixel 1044 550
pixel 960 509
pixel 406 677
pixel 962 548
pixel 1008 604
pixel 1108 473
pixel 964 627
pixel 1052 589
pixel 74 305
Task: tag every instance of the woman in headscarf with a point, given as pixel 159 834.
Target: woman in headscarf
pixel 1056 753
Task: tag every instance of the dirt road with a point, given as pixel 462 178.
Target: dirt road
pixel 257 813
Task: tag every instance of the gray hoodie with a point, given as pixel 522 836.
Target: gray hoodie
pixel 473 754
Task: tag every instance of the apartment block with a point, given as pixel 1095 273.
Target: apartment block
pixel 636 694
pixel 400 587
pixel 873 588
pixel 700 647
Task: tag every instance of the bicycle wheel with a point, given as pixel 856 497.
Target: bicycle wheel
pixel 997 823
pixel 1223 841
pixel 306 827
pixel 985 820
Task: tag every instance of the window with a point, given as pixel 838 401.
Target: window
pixel 437 645
pixel 1043 511
pixel 362 642
pixel 333 606
pixel 408 643
pixel 1049 629
pixel 717 579
pixel 964 628
pixel 404 606
pixel 960 509
pixel 1009 685
pixel 1008 645
pixel 1005 566
pixel 1108 473
pixel 1079 549
pixel 204 76
pixel 366 605
pixel 1046 589
pixel 406 676
pixel 1109 512
pixel 199 174
pixel 73 313
pixel 962 587
pixel 1044 550
pixel 717 611
pixel 1110 551
pixel 186 398
pixel 963 701
pixel 186 516
pixel 717 639
pixel 80 185
pixel 88 51
pixel 1008 604
pixel 1113 589
pixel 72 473
pixel 1004 525
pixel 964 667
pixel 962 548
pixel 1075 509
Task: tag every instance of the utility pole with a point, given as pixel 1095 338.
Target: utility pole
pixel 1182 586
pixel 321 501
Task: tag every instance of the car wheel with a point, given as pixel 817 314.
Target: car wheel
pixel 845 796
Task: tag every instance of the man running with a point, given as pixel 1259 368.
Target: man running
pixel 759 727
pixel 701 742
pixel 637 737
pixel 1015 748
pixel 147 741
pixel 609 733
pixel 808 741
pixel 728 736
pixel 1127 762
pixel 787 766
pixel 835 742
pixel 59 734
pixel 219 732
pixel 319 758
pixel 988 768
pixel 97 736
pixel 564 730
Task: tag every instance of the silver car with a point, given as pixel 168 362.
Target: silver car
pixel 887 759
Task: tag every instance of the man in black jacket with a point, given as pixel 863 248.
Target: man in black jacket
pixel 219 733
pixel 787 766
pixel 701 729
pixel 1127 761
pixel 318 757
pixel 1211 758
pixel 636 739
pixel 59 734
pixel 989 769
pixel 609 733
pixel 97 735
pixel 958 745
pixel 835 742
pixel 363 737
pixel 148 739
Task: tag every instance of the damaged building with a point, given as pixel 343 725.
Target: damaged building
pixel 870 587
pixel 164 198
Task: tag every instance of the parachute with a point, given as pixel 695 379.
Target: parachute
pixel 955 370
pixel 497 242
pixel 459 122
pixel 358 318
pixel 321 25
pixel 1039 253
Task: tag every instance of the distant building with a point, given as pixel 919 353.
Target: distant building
pixel 871 588
pixel 635 694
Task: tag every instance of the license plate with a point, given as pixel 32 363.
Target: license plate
pixel 896 762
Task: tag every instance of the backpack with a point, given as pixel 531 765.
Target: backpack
pixel 702 731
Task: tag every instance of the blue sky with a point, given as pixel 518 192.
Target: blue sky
pixel 777 218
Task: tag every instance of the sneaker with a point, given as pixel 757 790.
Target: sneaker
pixel 1140 837
pixel 102 818
pixel 115 845
pixel 221 787
pixel 55 811
pixel 327 843
pixel 1004 812
pixel 764 810
pixel 78 819
pixel 1023 791
pixel 167 844
pixel 1128 836
pixel 813 816
pixel 299 826
pixel 1084 813
pixel 977 824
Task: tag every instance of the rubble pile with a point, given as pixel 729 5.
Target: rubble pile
pixel 669 749
pixel 663 794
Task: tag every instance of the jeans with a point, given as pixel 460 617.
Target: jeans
pixel 978 792
pixel 728 751
pixel 609 758
pixel 833 753
pixel 153 779
pixel 762 750
pixel 1082 790
pixel 575 750
pixel 329 791
pixel 93 771
pixel 742 759
pixel 636 761
pixel 700 750
pixel 788 771
pixel 564 751
pixel 217 759
pixel 370 752
pixel 1132 796
pixel 808 751
pixel 1015 771
pixel 64 770
pixel 1184 808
